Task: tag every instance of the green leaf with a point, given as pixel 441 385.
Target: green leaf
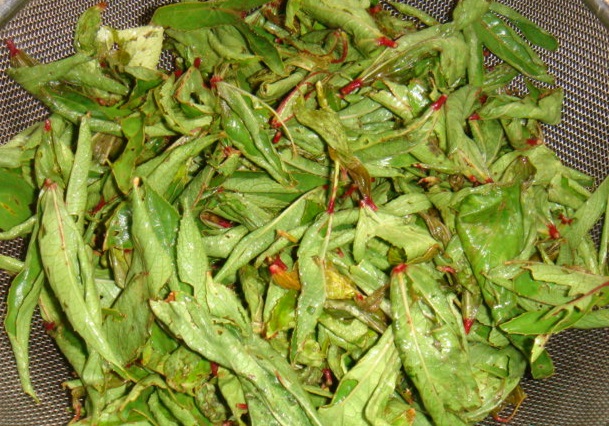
pixel 183 408
pixel 89 23
pixel 248 356
pixel 430 340
pixel 35 77
pixel 282 315
pixel 312 272
pixel 16 199
pixel 364 391
pixel 173 160
pixel 76 191
pixel 153 230
pixel 61 252
pixel 399 232
pixel 245 127
pixel 312 276
pixel 192 262
pixel 194 15
pixel 594 319
pixel 328 124
pixel 257 241
pixel 504 42
pixel 547 109
pixel 533 32
pixel 21 302
pixel 587 215
pixel 461 148
pixel 263 47
pixel 584 290
pixel 124 167
pixel 498 371
pixel 245 5
pixel 488 242
pixel 142 45
pixel 468 11
pixel 347 15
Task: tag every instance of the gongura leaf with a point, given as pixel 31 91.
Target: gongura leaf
pixel 487 241
pixel 584 291
pixel 503 41
pixel 21 302
pixel 399 232
pixel 195 15
pixel 153 229
pixel 206 249
pixel 278 388
pixel 430 340
pixel 61 253
pixel 533 32
pixel 373 376
pixel 255 242
pixel 16 198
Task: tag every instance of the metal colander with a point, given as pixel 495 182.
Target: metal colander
pixel 579 392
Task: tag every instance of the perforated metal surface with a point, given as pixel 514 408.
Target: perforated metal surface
pixel 578 395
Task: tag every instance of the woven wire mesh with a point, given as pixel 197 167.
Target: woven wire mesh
pixel 577 395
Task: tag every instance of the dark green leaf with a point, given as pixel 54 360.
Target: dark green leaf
pixel 16 199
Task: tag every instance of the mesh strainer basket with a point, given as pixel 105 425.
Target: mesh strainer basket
pixel 579 392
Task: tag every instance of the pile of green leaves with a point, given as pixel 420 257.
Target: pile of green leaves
pixel 326 213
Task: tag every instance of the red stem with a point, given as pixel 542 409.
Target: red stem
pixel 554 233
pixel 277 137
pixel 367 202
pixel 12 48
pixel 386 41
pixel 276 122
pixel 352 86
pixel 439 103
pixel 345 49
pixel 399 268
